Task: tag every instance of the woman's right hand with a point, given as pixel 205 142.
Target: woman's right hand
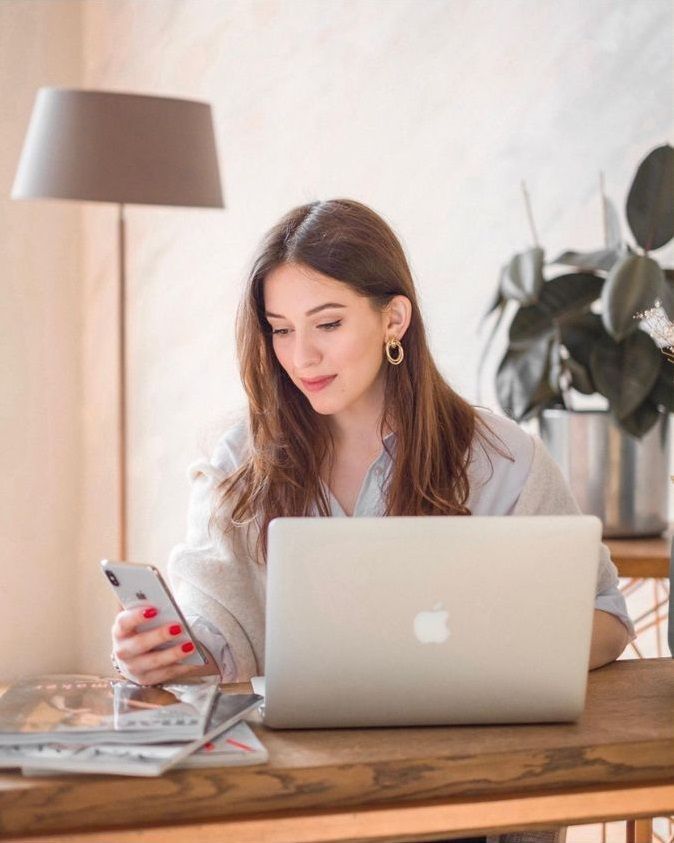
pixel 133 649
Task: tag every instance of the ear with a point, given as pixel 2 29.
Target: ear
pixel 397 316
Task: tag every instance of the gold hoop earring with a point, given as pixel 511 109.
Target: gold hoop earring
pixel 394 344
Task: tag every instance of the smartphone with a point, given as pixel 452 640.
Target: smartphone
pixel 143 585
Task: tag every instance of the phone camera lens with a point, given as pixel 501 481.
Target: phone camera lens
pixel 113 579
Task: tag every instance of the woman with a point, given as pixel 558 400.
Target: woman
pixel 348 415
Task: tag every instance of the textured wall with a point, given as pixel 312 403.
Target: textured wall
pixel 40 361
pixel 432 111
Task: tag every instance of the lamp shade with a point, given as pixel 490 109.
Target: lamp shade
pixel 104 146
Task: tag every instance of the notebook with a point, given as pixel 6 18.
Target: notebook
pixel 406 621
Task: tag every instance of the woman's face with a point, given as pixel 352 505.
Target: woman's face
pixel 323 329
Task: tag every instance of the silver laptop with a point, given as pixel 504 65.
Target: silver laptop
pixel 406 621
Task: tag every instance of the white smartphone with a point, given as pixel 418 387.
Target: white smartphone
pixel 143 585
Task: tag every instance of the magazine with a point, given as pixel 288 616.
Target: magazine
pixel 238 746
pixel 127 759
pixel 80 710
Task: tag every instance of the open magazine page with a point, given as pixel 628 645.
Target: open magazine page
pixel 126 759
pixel 73 709
pixel 175 707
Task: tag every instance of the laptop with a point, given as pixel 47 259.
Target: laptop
pixel 428 620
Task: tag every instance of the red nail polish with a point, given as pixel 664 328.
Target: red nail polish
pixel 150 613
pixel 176 629
pixel 187 647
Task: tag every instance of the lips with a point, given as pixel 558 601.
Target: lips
pixel 317 383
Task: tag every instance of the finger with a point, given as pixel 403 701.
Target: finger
pixel 127 620
pixel 159 660
pixel 164 675
pixel 144 642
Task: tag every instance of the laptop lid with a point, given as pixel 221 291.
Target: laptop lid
pixel 403 621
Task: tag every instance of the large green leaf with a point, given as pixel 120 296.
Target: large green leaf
pixel 633 284
pixel 602 259
pixel 625 372
pixel 530 322
pixel 641 420
pixel 650 202
pixel 519 376
pixel 581 334
pixel 570 293
pixel 523 277
pixel 662 394
pixel 559 298
pixel 548 391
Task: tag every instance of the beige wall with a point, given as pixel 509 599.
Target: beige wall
pixel 432 112
pixel 40 362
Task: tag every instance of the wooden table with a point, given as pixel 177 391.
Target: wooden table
pixel 641 557
pixel 386 784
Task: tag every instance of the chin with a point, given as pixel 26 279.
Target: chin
pixel 326 405
pixel 323 409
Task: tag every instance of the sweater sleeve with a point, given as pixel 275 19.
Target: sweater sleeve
pixel 211 637
pixel 212 583
pixel 546 492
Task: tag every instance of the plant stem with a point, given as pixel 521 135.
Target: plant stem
pixel 530 216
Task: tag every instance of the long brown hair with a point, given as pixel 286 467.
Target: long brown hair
pixel 289 441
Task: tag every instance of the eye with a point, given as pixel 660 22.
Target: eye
pixel 330 326
pixel 280 331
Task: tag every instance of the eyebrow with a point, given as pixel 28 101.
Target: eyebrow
pixel 309 312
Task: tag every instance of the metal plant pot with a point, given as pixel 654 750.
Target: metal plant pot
pixel 620 479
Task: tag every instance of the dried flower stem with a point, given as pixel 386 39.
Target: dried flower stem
pixel 602 196
pixel 530 216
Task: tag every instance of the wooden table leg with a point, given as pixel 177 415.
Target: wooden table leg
pixel 639 831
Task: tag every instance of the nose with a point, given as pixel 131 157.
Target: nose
pixel 305 352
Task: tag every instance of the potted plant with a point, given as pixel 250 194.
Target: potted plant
pixel 574 333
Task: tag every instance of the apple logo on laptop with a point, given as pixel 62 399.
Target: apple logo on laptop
pixel 431 627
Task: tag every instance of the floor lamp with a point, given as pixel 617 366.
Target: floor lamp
pixel 102 146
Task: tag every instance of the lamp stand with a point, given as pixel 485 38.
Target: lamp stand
pixel 121 415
